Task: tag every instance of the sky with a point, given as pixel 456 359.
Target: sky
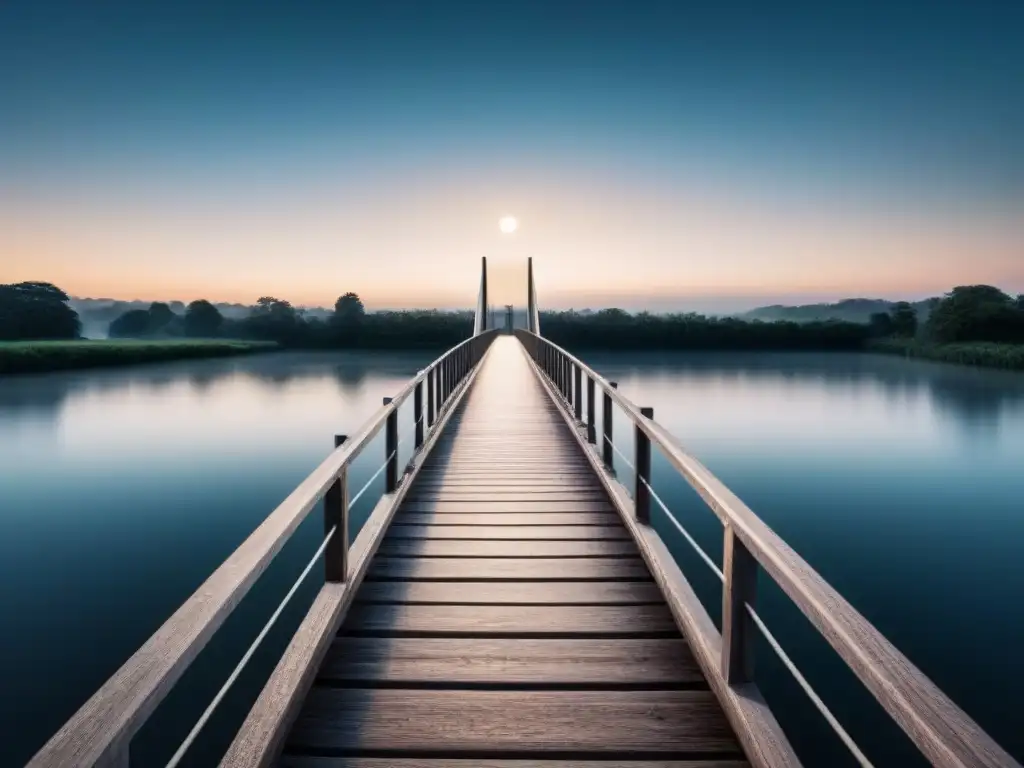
pixel 657 155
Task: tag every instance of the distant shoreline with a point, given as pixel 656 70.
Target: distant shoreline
pixel 51 356
pixel 979 354
pixel 25 357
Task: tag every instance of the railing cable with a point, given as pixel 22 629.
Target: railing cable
pixel 772 642
pixel 686 534
pixel 820 705
pixel 859 756
pixel 208 712
pixel 621 454
pixel 381 468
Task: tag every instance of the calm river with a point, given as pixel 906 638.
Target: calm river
pixel 902 482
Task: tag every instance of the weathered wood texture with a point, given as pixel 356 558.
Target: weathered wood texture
pixel 508 569
pixel 502 660
pixel 509 616
pixel 304 761
pixel 517 723
pixel 514 593
pixel 490 532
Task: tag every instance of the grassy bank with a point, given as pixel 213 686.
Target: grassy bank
pixel 44 356
pixel 981 353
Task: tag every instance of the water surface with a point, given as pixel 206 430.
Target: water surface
pixel 121 490
pixel 900 481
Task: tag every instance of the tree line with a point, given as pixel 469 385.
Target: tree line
pixel 968 313
pixel 273 319
pixel 976 313
pixel 618 329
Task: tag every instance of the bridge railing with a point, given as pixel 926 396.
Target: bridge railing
pixel 943 733
pixel 100 733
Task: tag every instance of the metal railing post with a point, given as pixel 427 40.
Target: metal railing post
pixel 606 426
pixel 441 376
pixel 430 398
pixel 739 589
pixel 577 377
pixel 642 461
pixel 591 408
pixel 417 413
pixel 336 517
pixel 391 449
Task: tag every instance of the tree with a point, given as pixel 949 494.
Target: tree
pixel 36 310
pixel 349 309
pixel 202 319
pixel 976 313
pixel 904 319
pixel 273 319
pixel 159 319
pixel 132 324
pixel 1020 302
pixel 160 315
pixel 881 324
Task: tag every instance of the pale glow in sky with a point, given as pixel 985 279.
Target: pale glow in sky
pixel 418 244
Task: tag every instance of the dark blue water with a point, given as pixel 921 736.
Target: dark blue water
pixel 902 482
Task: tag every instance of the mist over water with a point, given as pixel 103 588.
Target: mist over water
pixel 121 490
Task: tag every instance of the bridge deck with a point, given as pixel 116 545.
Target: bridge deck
pixel 509 616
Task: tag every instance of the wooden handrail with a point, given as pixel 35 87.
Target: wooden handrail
pixel 100 732
pixel 943 732
pixel 259 740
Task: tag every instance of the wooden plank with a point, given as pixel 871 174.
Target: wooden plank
pixel 506 548
pixel 526 494
pixel 508 569
pixel 524 506
pixel 307 761
pixel 578 661
pixel 507 518
pixel 505 471
pixel 522 593
pixel 491 484
pixel 518 464
pixel 489 457
pixel 518 723
pixel 546 472
pixel 536 620
pixel 494 532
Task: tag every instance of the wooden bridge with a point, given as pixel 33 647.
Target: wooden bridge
pixel 508 605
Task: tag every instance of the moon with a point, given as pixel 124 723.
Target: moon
pixel 508 224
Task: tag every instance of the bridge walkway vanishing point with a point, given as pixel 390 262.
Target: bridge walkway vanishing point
pixel 507 603
pixel 508 613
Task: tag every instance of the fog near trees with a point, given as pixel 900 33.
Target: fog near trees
pixel 967 314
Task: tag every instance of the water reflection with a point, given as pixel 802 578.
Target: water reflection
pixel 974 399
pixel 38 396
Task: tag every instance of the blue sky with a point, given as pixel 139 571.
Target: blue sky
pixel 653 152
